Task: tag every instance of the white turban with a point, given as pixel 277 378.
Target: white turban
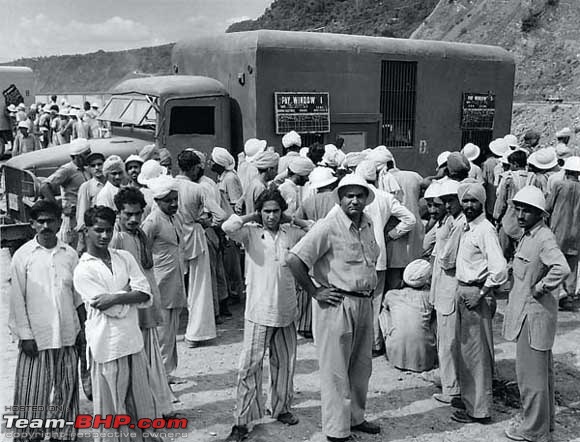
pixel 352 159
pixel 161 186
pixel 470 187
pixel 417 274
pixel 79 146
pixel 149 152
pixel 301 166
pixel 266 160
pixel 368 170
pixel 292 138
pixel 221 156
pixel 149 170
pixel 381 156
pixel 304 152
pixel 253 146
pixel 113 163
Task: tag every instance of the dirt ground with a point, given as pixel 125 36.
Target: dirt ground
pixel 399 401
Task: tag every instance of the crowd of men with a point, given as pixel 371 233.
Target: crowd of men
pixel 348 249
pixel 42 125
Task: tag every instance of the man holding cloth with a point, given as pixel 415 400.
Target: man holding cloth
pixel 480 267
pixel 531 316
pixel 342 252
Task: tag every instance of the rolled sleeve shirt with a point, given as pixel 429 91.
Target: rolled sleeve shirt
pixel 230 185
pixel 112 333
pixel 341 255
pixel 68 177
pixel 270 285
pixel 43 301
pixel 480 259
pixel 539 267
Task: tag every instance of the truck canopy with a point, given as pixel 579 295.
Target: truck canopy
pixel 172 86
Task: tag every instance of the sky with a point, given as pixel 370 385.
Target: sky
pixel 32 28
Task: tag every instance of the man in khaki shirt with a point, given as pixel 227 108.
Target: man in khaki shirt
pixel 531 316
pixel 342 252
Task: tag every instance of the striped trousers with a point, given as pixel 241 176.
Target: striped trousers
pixel 281 342
pixel 49 379
pixel 304 322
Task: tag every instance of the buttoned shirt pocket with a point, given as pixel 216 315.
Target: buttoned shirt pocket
pixel 541 329
pixel 352 252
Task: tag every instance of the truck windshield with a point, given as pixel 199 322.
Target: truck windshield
pixel 135 110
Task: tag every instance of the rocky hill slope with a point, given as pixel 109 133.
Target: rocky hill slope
pixel 543 35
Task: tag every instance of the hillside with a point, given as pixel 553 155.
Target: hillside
pixel 95 72
pixel 543 35
pixel 387 18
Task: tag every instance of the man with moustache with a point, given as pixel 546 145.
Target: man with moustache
pixel 133 165
pixel 480 268
pixel 531 316
pixel 342 252
pixel 46 316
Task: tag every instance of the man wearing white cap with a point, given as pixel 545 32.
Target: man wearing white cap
pixel 299 169
pixel 267 164
pixel 564 209
pixel 25 141
pixel 69 178
pixel 531 316
pixel 380 211
pixel 491 168
pixel 292 144
pixel 408 312
pixel 472 152
pixel 541 164
pixel 315 207
pixel 246 169
pixel 503 212
pixel 161 228
pixel 480 268
pixel 444 288
pixel 114 171
pixel 133 165
pixel 437 215
pixel 564 135
pixel 342 252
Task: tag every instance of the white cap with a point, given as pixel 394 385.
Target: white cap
pixel 565 132
pixel 448 187
pixel 134 158
pixel 433 191
pixel 304 152
pixel 512 141
pixel 544 158
pixel 79 146
pixel 12 108
pixel 253 146
pixel 471 151
pixel 442 158
pixel 23 124
pixel 499 147
pixel 532 196
pixel 292 138
pixel 417 273
pixel 572 164
pixel 321 177
pixel 161 186
pixel 149 170
pixel 352 179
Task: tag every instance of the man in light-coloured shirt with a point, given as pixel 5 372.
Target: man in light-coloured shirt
pixel 88 193
pixel 291 142
pixel 291 189
pixel 46 316
pixel 480 268
pixel 133 165
pixel 379 211
pixel 267 164
pixel 25 141
pixel 114 172
pixel 531 316
pixel 113 287
pixel 69 178
pixel 246 169
pixel 161 228
pixel 271 309
pixel 342 252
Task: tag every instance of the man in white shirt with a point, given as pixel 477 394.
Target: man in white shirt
pixel 114 171
pixel 87 195
pixel 113 287
pixel 297 176
pixel 271 309
pixel 46 316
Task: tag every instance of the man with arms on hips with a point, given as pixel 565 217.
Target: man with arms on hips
pixel 480 268
pixel 531 316
pixel 271 310
pixel 342 252
pixel 46 316
pixel 113 287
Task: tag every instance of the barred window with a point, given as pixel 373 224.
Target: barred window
pixel 398 93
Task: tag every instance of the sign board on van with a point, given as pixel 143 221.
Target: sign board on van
pixel 12 96
pixel 304 112
pixel 477 111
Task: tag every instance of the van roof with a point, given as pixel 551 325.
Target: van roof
pixel 321 41
pixel 168 86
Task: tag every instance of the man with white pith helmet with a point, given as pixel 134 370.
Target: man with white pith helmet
pixel 539 268
pixel 342 252
pixel 541 164
pixel 472 152
pixel 25 140
pixel 564 209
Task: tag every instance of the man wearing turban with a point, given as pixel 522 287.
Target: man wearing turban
pixel 114 172
pixel 267 164
pixel 291 142
pixel 480 269
pixel 291 189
